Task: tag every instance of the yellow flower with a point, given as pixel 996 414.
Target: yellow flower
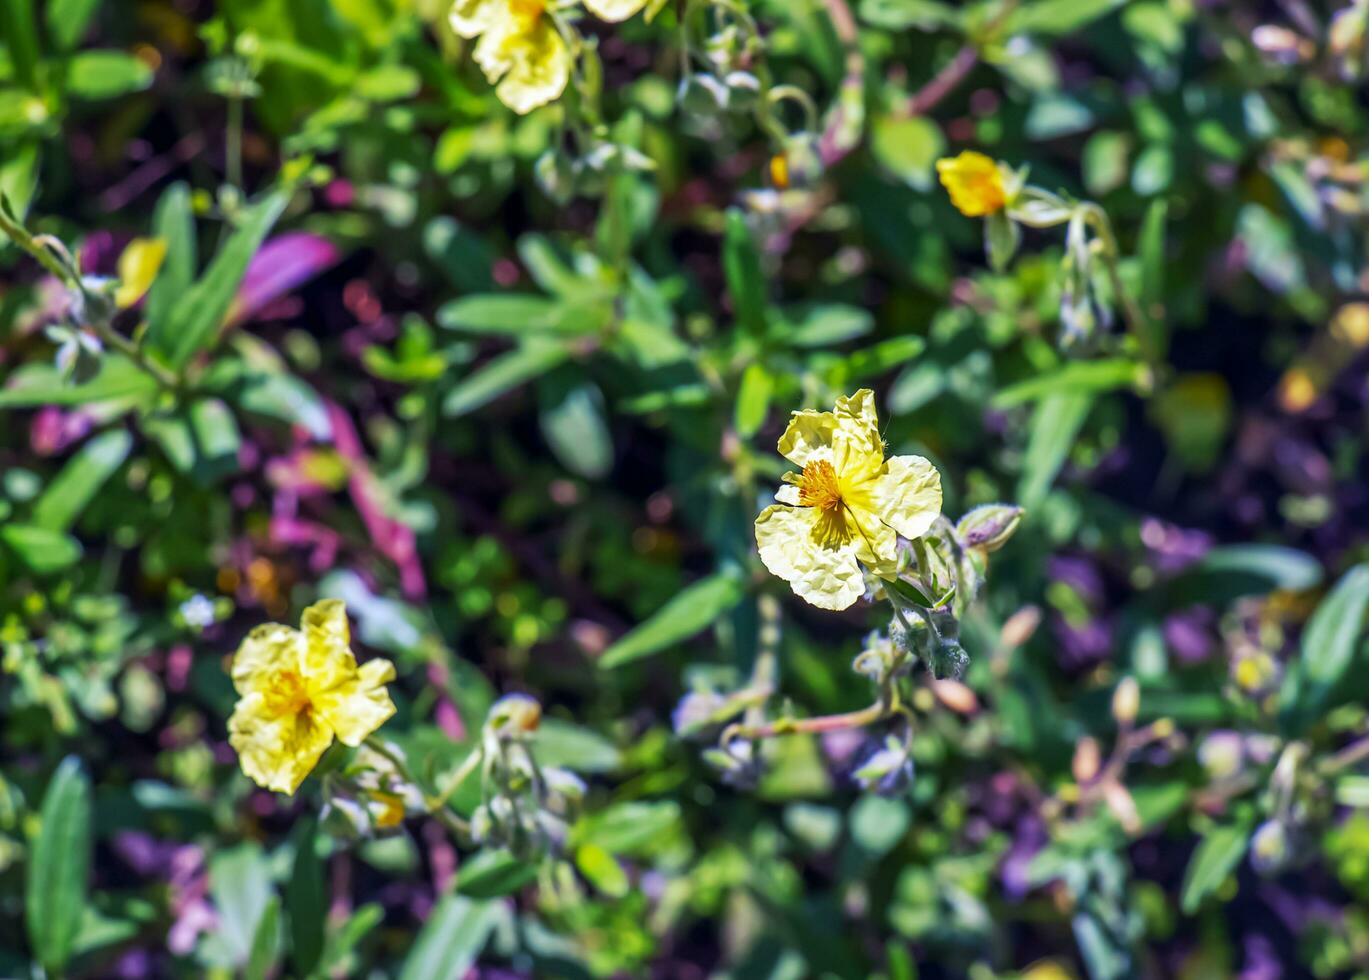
pixel 849 505
pixel 614 10
pixel 297 690
pixel 138 266
pixel 975 183
pixel 520 50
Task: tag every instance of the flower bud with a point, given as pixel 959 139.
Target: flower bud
pixel 1126 702
pixel 1269 847
pixel 989 527
pixel 514 716
pixel 1087 760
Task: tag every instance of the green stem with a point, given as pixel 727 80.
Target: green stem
pixel 437 807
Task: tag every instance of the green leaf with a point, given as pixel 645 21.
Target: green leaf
pixel 519 314
pixel 692 610
pixel 1087 377
pixel 602 870
pixel 41 384
pixel 630 828
pixel 240 884
pixel 572 746
pixel 908 147
pixel 20 34
pixel 1152 251
pixel 43 550
pixel 504 373
pixel 59 865
pixel 1054 426
pixel 67 21
pixel 742 268
pixel 494 874
pixel 1217 855
pixel 18 179
pixel 1231 572
pixel 306 900
pixel 265 943
pixel 348 935
pixel 825 324
pixel 80 480
pixel 173 222
pixel 1002 235
pixel 1055 17
pixel 753 399
pixel 196 319
pixel 575 428
pixel 456 932
pixel 106 74
pixel 217 439
pixel 1329 643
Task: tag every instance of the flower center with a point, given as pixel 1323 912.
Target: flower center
pixel 818 487
pixel 527 10
pixel 288 695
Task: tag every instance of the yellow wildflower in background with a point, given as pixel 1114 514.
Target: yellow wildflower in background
pixel 139 263
pixel 520 50
pixel 298 689
pixel 847 506
pixel 975 183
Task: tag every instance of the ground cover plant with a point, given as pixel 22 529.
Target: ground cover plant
pixel 684 488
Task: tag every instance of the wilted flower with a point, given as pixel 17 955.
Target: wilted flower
pixel 847 506
pixel 885 767
pixel 520 50
pixel 298 690
pixel 975 182
pixel 138 266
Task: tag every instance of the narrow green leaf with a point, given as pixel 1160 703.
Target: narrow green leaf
pixel 174 223
pixel 1002 235
pixel 577 431
pixel 306 901
pixel 43 550
pixel 753 399
pixel 511 314
pixel 347 936
pixel 456 932
pixel 265 943
pixel 1055 17
pixel 1054 426
pixel 1329 644
pixel 67 21
pixel 602 870
pixel 1217 855
pixel 1108 374
pixel 59 865
pixel 197 317
pixel 106 74
pixel 494 874
pixel 504 373
pixel 20 35
pixel 742 268
pixel 694 609
pixel 40 385
pixel 80 480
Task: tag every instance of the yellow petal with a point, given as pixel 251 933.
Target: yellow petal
pixel 360 705
pixel 276 752
pixel 138 266
pixel 471 18
pixel 267 651
pixel 974 182
pixel 814 551
pixel 907 495
pixel 844 435
pixel 876 542
pixel 614 10
pixel 539 68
